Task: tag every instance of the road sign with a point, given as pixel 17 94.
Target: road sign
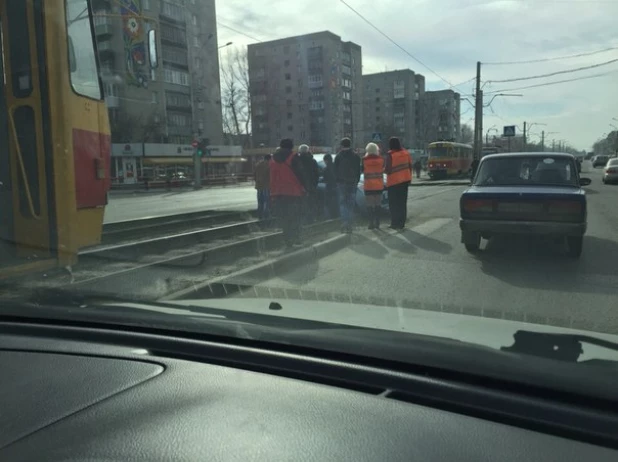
pixel 195 143
pixel 509 130
pixel 376 137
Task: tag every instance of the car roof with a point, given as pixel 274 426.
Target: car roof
pixel 510 155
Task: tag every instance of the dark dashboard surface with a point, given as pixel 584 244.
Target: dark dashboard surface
pixel 71 399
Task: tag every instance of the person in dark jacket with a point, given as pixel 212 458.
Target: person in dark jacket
pixel 347 172
pixel 331 197
pixel 262 185
pixel 312 177
pixel 287 188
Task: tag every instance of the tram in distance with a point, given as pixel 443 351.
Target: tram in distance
pixel 55 135
pixel 448 159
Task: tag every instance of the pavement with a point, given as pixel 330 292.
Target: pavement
pixel 519 279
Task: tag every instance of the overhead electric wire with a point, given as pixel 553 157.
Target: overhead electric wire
pixel 551 74
pixel 381 32
pixel 554 83
pixel 238 32
pixel 557 58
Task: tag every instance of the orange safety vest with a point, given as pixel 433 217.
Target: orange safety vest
pixel 401 168
pixel 373 170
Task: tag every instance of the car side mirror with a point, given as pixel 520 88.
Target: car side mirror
pixel 585 181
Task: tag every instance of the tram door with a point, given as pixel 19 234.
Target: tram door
pixel 26 160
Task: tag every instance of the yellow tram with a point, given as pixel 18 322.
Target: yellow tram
pixel 54 135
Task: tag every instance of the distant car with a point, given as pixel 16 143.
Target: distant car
pixel 360 192
pixel 610 174
pixel 599 161
pixel 525 193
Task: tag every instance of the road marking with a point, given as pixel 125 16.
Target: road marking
pixel 431 226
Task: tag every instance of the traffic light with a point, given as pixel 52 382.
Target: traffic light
pixel 202 147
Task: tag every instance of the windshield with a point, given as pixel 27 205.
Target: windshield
pixel 546 170
pixel 440 152
pixel 173 151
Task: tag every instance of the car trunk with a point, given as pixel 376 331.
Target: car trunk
pixel 538 203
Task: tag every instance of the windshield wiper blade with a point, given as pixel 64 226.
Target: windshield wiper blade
pixel 561 347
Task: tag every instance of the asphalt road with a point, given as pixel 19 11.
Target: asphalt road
pixel 427 267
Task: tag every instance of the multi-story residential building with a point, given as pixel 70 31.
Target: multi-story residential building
pixel 440 112
pixel 392 106
pixel 308 88
pixel 179 99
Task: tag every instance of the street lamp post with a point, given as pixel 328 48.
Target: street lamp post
pixel 226 45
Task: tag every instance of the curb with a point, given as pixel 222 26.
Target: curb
pixel 272 267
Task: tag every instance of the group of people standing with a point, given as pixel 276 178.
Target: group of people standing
pixel 289 181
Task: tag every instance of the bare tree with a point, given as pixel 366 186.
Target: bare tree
pixel 467 134
pixel 236 96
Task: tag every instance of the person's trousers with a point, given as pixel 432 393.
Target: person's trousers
pixel 310 208
pixel 263 199
pixel 398 204
pixel 288 211
pixel 347 202
pixel 331 203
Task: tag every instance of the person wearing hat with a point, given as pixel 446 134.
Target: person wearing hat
pixel 287 190
pixel 398 171
pixel 347 172
pixel 373 169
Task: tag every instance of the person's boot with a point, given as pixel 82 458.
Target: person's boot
pixel 372 218
pixel 377 218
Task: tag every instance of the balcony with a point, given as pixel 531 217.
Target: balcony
pixel 103 26
pixel 105 48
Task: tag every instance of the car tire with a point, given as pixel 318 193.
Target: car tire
pixel 575 245
pixel 472 241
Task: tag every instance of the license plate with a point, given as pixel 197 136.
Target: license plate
pixel 519 207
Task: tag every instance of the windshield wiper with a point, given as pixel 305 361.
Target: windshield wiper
pixel 561 347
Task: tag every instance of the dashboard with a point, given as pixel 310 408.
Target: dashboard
pixel 91 393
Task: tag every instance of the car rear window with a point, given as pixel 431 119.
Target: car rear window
pixel 508 171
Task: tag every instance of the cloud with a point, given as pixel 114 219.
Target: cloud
pixel 450 36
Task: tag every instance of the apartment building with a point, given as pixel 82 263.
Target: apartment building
pixel 392 106
pixel 441 111
pixel 180 99
pixel 308 88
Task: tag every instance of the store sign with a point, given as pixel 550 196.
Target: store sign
pixel 127 150
pixel 186 150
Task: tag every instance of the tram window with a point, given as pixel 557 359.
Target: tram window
pixel 19 34
pixel 82 54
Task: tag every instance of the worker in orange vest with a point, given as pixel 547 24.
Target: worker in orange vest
pixel 373 170
pixel 398 178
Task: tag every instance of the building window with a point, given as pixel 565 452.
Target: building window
pixel 200 105
pixel 288 76
pixel 377 100
pixel 290 128
pixel 290 115
pixel 196 41
pixel 155 97
pixel 377 90
pixel 175 77
pixel 288 103
pixel 288 89
pixel 286 63
pixel 177 99
pixel 286 49
pixel 197 63
pixel 173 34
pixel 194 20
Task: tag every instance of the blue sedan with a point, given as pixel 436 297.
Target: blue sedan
pixel 525 193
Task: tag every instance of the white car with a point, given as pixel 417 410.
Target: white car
pixel 610 173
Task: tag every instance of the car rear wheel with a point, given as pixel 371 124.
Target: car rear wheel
pixel 575 245
pixel 472 241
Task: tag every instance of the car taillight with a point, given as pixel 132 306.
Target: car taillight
pixel 564 207
pixel 478 205
pixel 612 170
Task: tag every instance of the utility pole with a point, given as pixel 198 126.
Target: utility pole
pixel 478 117
pixel 525 140
pixel 543 141
pixel 553 145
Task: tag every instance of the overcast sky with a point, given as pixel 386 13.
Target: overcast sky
pixel 450 36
